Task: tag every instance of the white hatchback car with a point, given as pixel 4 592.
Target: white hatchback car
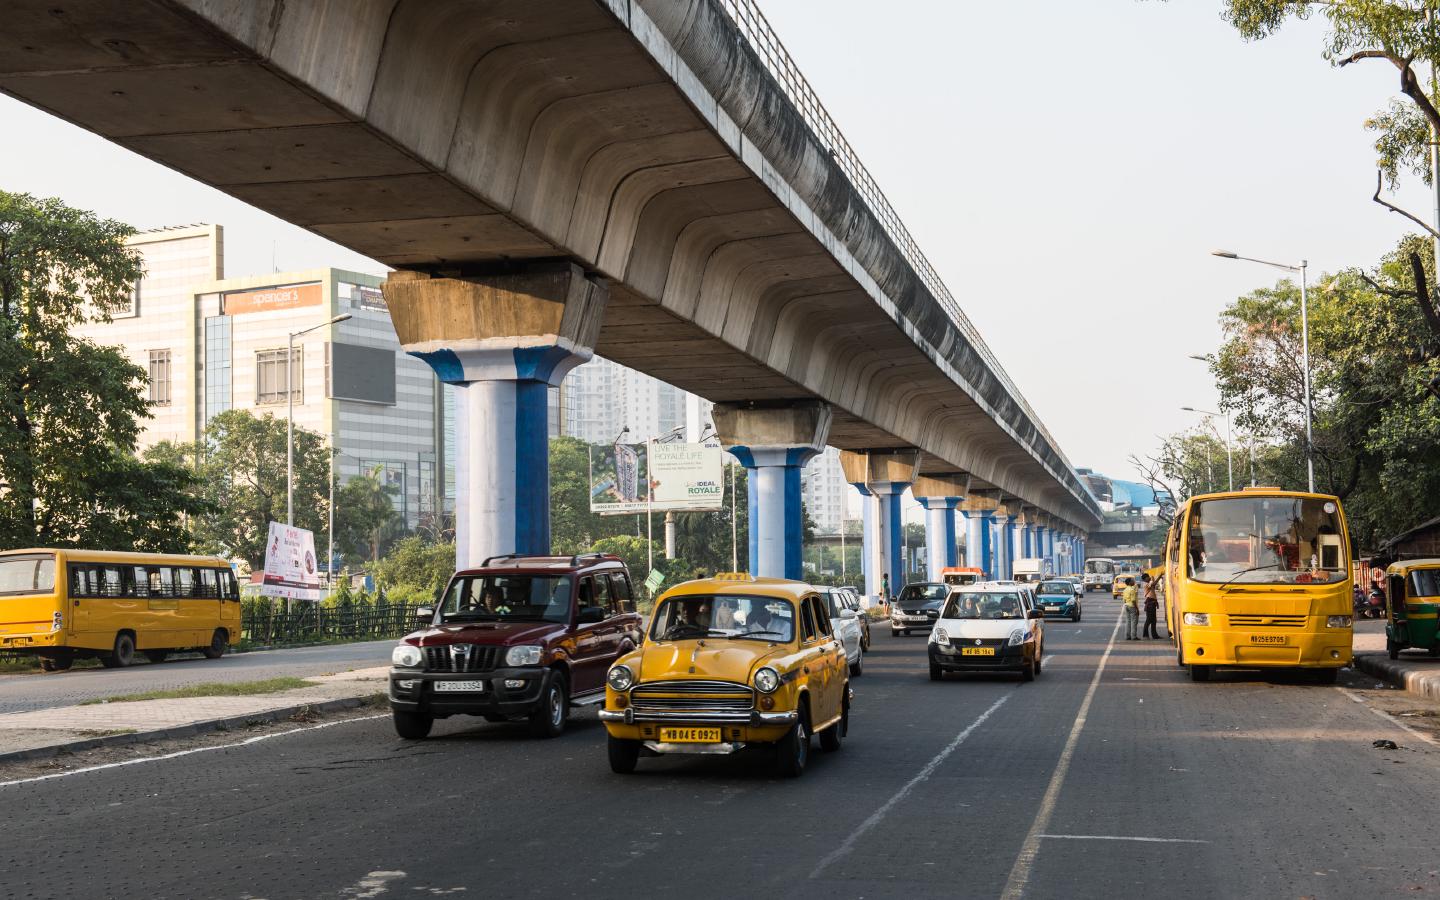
pixel 845 622
pixel 988 627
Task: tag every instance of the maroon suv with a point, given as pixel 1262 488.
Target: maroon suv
pixel 518 637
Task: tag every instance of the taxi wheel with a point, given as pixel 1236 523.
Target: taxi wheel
pixel 413 726
pixel 123 654
pixel 1391 648
pixel 830 737
pixel 548 719
pixel 793 750
pixel 1028 672
pixel 218 643
pixel 624 754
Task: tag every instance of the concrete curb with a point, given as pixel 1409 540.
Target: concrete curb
pixel 1401 673
pixel 192 728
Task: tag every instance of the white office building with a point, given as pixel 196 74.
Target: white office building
pixel 826 492
pixel 211 343
pixel 600 398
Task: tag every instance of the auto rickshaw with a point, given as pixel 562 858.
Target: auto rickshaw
pixel 1413 591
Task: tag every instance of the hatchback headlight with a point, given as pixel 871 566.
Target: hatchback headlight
pixel 620 678
pixel 407 656
pixel 1197 618
pixel 767 680
pixel 940 636
pixel 1017 637
pixel 524 655
pixel 1339 622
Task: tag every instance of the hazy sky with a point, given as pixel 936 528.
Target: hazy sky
pixel 1067 167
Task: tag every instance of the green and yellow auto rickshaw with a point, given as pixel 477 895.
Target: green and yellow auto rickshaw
pixel 1412 590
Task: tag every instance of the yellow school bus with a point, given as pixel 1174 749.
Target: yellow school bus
pixel 1258 578
pixel 63 605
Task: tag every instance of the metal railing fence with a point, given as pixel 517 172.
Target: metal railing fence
pixel 314 622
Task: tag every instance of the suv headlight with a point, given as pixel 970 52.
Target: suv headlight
pixel 620 678
pixel 1017 637
pixel 767 680
pixel 940 636
pixel 1340 622
pixel 407 656
pixel 524 655
pixel 1197 618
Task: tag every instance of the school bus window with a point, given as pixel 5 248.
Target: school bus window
pixel 27 575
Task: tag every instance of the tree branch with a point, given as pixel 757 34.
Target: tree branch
pixel 1379 181
pixel 1409 83
pixel 1422 294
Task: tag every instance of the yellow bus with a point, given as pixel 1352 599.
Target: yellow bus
pixel 1258 578
pixel 63 605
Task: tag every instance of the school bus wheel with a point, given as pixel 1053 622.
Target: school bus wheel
pixel 123 653
pixel 218 642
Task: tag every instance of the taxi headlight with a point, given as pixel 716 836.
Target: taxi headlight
pixel 1017 637
pixel 620 678
pixel 1197 618
pixel 1339 622
pixel 767 680
pixel 524 655
pixel 407 656
pixel 940 636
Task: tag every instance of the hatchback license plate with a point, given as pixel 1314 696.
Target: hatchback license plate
pixel 690 735
pixel 445 687
pixel 977 651
pixel 1267 638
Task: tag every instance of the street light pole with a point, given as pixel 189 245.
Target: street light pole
pixel 290 415
pixel 1304 349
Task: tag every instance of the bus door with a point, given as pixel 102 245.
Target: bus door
pixel 229 594
pixel 98 601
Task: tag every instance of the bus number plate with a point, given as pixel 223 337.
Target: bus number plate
pixel 1267 638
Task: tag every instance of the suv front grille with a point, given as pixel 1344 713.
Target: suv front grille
pixel 1267 621
pixel 473 658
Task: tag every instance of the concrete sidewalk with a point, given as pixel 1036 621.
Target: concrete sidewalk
pixel 1418 673
pixel 46 732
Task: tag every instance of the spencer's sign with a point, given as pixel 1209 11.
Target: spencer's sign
pixel 267 299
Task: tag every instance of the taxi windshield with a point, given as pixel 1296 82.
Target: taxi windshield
pixel 1267 540
pixel 724 616
pixel 1056 587
pixel 989 605
pixel 533 598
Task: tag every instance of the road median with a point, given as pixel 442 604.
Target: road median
pixel 44 733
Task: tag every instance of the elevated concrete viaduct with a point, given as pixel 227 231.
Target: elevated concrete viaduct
pixel 713 227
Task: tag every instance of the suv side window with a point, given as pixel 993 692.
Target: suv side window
pixel 620 590
pixel 587 593
pixel 603 596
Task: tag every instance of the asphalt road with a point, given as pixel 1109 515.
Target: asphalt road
pixel 40 690
pixel 1110 776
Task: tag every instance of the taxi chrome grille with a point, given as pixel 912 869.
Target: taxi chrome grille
pixel 1249 621
pixel 693 696
pixel 461 658
pixel 700 703
pixel 692 688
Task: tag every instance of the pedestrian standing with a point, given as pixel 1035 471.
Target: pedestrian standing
pixel 1152 606
pixel 1132 611
pixel 885 586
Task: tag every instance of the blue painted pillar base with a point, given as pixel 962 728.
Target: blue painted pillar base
pixel 868 566
pixel 979 548
pixel 502 451
pixel 889 532
pixel 940 536
pixel 777 513
pixel 1003 547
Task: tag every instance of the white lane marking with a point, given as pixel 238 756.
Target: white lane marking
pixel 1020 872
pixel 849 843
pixel 178 753
pixel 1387 717
pixel 1121 837
pixel 372 885
pixel 1046 658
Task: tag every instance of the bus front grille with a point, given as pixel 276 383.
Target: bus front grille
pixel 1250 621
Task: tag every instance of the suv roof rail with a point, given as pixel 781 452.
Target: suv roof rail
pixel 490 559
pixel 575 560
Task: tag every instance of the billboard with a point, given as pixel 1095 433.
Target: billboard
pixel 266 299
pixel 290 566
pixel 684 477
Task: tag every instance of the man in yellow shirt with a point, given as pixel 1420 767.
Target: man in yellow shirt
pixel 1132 611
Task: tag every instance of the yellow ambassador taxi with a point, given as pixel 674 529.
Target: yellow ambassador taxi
pixel 728 663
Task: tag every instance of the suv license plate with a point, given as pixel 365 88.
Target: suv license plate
pixel 1267 638
pixel 445 687
pixel 690 735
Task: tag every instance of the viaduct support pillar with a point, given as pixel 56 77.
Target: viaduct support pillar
pixel 940 495
pixel 773 443
pixel 978 546
pixel 1003 544
pixel 886 474
pixel 503 340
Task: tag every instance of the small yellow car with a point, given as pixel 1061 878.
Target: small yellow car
pixel 1117 587
pixel 728 663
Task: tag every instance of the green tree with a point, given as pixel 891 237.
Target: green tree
pixel 70 409
pixel 365 517
pixel 416 570
pixel 240 463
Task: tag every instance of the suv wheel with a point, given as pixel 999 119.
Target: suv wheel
pixel 547 720
pixel 623 755
pixel 858 666
pixel 793 750
pixel 413 726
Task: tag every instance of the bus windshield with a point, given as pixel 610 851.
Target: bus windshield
pixel 30 574
pixel 1267 540
pixel 1099 567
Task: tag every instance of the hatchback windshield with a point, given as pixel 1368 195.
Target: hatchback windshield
pixel 725 616
pixel 966 605
pixel 1267 540
pixel 532 598
pixel 27 574
pixel 921 595
pixel 1057 587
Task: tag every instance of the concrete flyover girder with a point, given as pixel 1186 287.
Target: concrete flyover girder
pixel 643 141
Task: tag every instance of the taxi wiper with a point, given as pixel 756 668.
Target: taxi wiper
pixel 749 634
pixel 1244 571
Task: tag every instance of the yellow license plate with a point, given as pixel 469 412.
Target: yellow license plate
pixel 1267 639
pixel 977 651
pixel 690 735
